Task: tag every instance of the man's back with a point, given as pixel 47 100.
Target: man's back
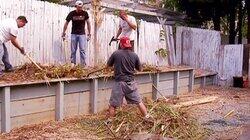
pixel 8 27
pixel 125 62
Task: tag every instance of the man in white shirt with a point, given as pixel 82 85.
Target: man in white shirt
pixel 127 27
pixel 8 32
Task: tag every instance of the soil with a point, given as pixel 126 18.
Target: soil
pixel 226 118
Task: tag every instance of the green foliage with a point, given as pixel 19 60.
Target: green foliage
pixel 162 52
pixel 172 5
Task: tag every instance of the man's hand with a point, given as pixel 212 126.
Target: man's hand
pixel 124 17
pixel 88 37
pixel 22 50
pixel 63 35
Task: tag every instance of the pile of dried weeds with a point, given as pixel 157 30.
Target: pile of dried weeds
pixel 167 122
pixel 29 72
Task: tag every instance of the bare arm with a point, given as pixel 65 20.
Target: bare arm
pixel 16 44
pixel 119 32
pixel 133 26
pixel 89 27
pixel 65 28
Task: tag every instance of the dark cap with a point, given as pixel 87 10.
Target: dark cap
pixel 23 18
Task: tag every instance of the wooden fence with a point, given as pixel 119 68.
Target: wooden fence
pixel 231 63
pixel 198 48
pixel 41 37
pixel 202 49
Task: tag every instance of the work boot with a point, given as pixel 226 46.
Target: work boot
pixel 149 118
pixel 9 70
pixel 1 73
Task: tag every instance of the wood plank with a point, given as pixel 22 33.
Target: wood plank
pixel 176 82
pixel 203 81
pixel 183 82
pixel 145 88
pixel 155 86
pixel 32 118
pixel 32 91
pixel 94 95
pixel 5 110
pixel 77 104
pixel 196 102
pixel 166 76
pixel 166 84
pixel 59 101
pixel 191 81
pixel 24 107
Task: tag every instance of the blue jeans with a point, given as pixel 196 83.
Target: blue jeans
pixel 5 58
pixel 82 41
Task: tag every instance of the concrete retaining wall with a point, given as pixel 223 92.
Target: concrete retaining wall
pixel 35 102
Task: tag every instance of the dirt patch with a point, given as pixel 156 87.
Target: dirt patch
pixel 228 115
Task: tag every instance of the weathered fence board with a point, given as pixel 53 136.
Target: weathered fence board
pixel 231 63
pixel 198 48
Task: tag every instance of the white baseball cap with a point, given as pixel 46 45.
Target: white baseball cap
pixel 79 3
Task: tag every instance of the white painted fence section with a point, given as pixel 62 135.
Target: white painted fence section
pixel 198 48
pixel 42 35
pixel 231 62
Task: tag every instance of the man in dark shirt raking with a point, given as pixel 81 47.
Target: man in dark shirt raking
pixel 78 35
pixel 125 62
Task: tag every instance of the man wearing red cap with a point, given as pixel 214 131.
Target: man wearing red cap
pixel 125 62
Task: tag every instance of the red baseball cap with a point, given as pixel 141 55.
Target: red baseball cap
pixel 125 42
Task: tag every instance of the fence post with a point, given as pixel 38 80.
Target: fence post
pixel 191 81
pixel 203 81
pixel 59 101
pixel 93 95
pixel 176 82
pixel 155 85
pixel 5 113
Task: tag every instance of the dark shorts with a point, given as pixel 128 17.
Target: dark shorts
pixel 124 89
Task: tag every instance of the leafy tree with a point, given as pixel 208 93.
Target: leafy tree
pixel 203 11
pixel 248 17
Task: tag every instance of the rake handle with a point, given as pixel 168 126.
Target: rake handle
pixel 33 62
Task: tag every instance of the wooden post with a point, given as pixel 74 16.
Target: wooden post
pixel 155 85
pixel 203 81
pixel 5 114
pixel 215 79
pixel 93 95
pixel 191 81
pixel 162 21
pixel 176 82
pixel 59 101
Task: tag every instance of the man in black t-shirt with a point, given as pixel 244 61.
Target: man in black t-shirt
pixel 78 35
pixel 125 62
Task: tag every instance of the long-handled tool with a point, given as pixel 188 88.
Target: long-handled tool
pixel 64 42
pixel 33 61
